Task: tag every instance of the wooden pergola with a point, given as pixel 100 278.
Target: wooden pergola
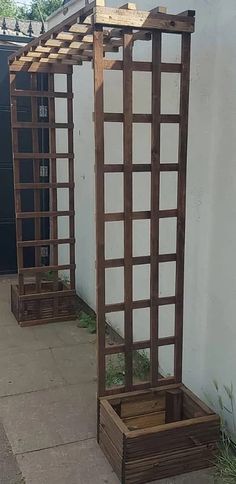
pixel 86 36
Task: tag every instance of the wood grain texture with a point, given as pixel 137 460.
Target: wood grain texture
pixel 36 307
pixel 181 201
pixel 155 202
pixel 128 204
pixel 100 207
pixel 151 449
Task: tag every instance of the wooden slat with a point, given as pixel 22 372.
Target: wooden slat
pixel 140 260
pixel 36 67
pixel 155 196
pixel 26 156
pixel 140 304
pixel 128 202
pixel 31 93
pixel 42 186
pixel 51 268
pixel 30 125
pixel 40 243
pixel 143 20
pixel 47 295
pixel 181 201
pixel 50 213
pixel 141 118
pixel 118 216
pixel 139 345
pixel 139 167
pixel 71 178
pixel 53 191
pixel 140 66
pixel 100 208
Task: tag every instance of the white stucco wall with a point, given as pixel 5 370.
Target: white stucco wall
pixel 210 275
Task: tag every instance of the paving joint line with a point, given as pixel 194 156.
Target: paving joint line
pixel 55 446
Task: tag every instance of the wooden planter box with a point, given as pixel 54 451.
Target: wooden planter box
pixel 32 308
pixel 158 433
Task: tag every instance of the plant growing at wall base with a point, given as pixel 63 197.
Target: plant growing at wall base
pixel 87 321
pixel 225 462
pixel 115 370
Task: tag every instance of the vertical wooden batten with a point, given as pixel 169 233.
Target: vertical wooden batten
pixel 100 203
pixel 181 201
pixel 128 203
pixel 155 199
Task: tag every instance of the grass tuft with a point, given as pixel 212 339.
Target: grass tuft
pixel 87 321
pixel 225 464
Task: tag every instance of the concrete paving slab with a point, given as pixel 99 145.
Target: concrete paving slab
pixel 84 463
pixel 9 469
pixel 47 418
pixel 28 371
pixel 14 338
pixel 80 463
pixel 77 364
pixel 200 477
pixel 61 334
pixel 6 317
pixel 5 284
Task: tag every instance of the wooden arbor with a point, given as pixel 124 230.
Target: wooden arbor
pixel 156 428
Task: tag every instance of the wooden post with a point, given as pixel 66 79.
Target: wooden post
pixel 174 404
pixel 100 224
pixel 128 202
pixel 155 201
pixel 181 202
pixel 71 178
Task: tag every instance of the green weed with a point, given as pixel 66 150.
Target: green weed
pixel 87 321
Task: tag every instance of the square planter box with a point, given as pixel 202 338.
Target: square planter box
pixel 157 433
pixel 40 308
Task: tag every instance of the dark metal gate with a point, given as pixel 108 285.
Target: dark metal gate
pixel 8 263
pixel 8 259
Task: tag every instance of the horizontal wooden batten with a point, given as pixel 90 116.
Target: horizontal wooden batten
pixel 18 66
pixel 139 345
pixel 119 216
pixel 143 20
pixel 28 215
pixel 28 93
pixel 42 156
pixel 41 243
pixel 41 269
pixel 139 260
pixel 140 66
pixel 138 167
pixel 141 304
pixel 47 295
pixel 29 125
pixel 141 118
pixel 42 186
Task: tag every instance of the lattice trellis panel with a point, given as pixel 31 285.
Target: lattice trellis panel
pixel 129 215
pixel 46 288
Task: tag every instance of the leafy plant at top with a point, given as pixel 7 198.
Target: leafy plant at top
pixel 36 10
pixel 8 8
pixel 87 321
